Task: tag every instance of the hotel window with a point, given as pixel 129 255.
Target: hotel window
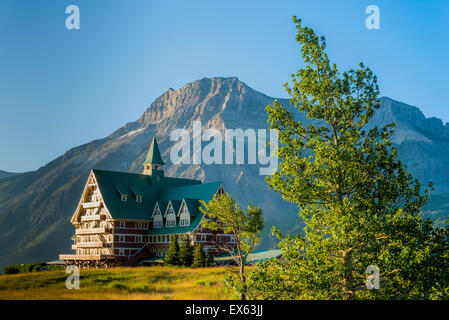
pixel 139 199
pixel 121 238
pixel 157 221
pixel 138 238
pixel 122 224
pixel 203 238
pixel 121 252
pixel 139 225
pixel 124 197
pixel 184 219
pixel 171 220
pixel 232 239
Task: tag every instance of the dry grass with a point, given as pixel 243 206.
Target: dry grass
pixel 120 283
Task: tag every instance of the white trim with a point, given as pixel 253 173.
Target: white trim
pixel 169 205
pixel 180 208
pixel 77 212
pixel 154 210
pixel 183 204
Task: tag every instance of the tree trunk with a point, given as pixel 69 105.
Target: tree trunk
pixel 243 279
pixel 348 283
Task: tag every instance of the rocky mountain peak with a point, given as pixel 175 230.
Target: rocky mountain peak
pixel 207 99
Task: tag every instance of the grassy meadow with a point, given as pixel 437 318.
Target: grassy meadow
pixel 156 282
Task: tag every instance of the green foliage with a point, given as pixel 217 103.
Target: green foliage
pixel 11 270
pixel 225 215
pixel 31 267
pixel 209 259
pixel 185 252
pixel 172 257
pixel 359 204
pixel 199 258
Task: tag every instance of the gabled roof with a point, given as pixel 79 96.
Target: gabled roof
pixel 111 184
pixel 176 204
pixel 154 155
pixel 192 206
pixel 191 194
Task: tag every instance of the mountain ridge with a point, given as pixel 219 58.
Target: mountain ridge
pixel 35 206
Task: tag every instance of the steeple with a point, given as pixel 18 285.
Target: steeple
pixel 153 162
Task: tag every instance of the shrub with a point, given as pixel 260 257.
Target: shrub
pixel 199 258
pixel 11 269
pixel 172 257
pixel 186 252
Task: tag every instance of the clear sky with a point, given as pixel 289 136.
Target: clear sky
pixel 61 88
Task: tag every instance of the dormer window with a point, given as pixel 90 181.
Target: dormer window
pixel 121 191
pixel 170 216
pixel 157 221
pixel 184 219
pixel 157 218
pixel 171 220
pixel 137 193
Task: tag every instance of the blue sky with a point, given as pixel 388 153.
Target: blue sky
pixel 61 88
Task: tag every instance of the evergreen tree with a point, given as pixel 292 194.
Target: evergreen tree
pixel 199 258
pixel 185 252
pixel 360 206
pixel 172 257
pixel 210 259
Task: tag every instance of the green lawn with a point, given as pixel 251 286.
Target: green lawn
pixel 120 283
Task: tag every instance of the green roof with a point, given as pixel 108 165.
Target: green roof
pixel 174 190
pixel 154 155
pixel 191 194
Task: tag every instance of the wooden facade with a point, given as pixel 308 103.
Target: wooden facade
pixel 130 217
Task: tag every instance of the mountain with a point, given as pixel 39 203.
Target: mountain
pixel 4 174
pixel 35 207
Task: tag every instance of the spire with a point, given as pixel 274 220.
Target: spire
pixel 154 155
pixel 153 165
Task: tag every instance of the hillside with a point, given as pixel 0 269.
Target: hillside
pixel 35 207
pixel 4 174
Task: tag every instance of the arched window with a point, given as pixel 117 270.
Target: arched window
pixel 184 219
pixel 171 217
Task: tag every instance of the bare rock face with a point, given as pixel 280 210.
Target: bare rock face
pixel 35 207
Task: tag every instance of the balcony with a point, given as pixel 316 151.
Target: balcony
pixel 92 230
pixel 87 205
pixel 85 257
pixel 90 244
pixel 94 217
